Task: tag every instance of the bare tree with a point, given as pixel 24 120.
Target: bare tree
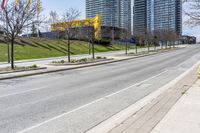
pixel 140 40
pixel 90 35
pixel 83 35
pixel 149 39
pixel 125 36
pixel 175 38
pixel 69 18
pixel 172 38
pixel 167 37
pixel 193 12
pixel 17 19
pixel 33 30
pixel 155 41
pixel 136 43
pixel 54 18
pixel 161 37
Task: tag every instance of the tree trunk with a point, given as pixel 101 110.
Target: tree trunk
pixel 12 54
pixel 174 44
pixel 89 48
pixel 126 48
pixel 93 56
pixel 8 47
pixel 136 50
pixel 170 44
pixel 68 50
pixel 148 47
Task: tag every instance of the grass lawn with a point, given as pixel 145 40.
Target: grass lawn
pixel 32 48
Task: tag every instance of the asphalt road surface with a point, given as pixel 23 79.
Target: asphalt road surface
pixel 75 101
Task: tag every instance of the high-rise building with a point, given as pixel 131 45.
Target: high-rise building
pixel 154 15
pixel 140 17
pixel 114 13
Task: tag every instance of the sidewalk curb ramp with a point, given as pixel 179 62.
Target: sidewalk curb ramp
pixel 120 117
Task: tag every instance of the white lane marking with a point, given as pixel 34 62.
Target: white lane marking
pixel 21 92
pixel 136 84
pixel 81 107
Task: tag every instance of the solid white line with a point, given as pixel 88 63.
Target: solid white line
pixel 81 107
pixel 17 93
pixel 136 84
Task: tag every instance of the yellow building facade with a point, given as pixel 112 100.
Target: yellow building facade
pixel 94 22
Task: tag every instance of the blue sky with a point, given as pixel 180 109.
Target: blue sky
pixel 61 5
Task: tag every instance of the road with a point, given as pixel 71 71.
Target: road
pixel 74 101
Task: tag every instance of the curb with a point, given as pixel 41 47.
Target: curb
pixel 85 63
pixel 73 68
pixel 26 70
pixel 120 117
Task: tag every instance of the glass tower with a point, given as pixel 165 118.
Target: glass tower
pixel 114 13
pixel 139 16
pixel 159 15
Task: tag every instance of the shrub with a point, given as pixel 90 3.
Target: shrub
pixel 83 60
pixel 104 42
pixel 131 53
pixel 73 61
pixel 99 57
pixel 34 66
pixel 62 61
pixel 54 62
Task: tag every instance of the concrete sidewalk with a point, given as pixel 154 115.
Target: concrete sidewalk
pixel 184 117
pixel 175 111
